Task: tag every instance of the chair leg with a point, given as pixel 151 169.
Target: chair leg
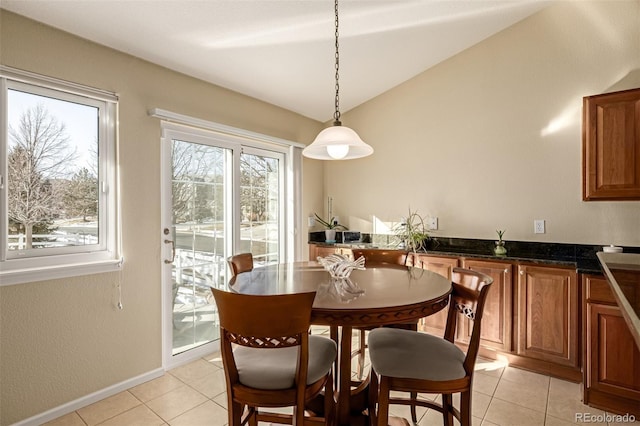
pixel 447 405
pixel 333 334
pixel 465 408
pixel 298 416
pixel 363 346
pixel 253 419
pixel 383 401
pixel 235 413
pixel 329 403
pixel 414 416
pixel 373 396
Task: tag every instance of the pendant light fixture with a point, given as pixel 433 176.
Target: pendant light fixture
pixel 337 142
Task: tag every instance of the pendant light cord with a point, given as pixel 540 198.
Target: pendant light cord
pixel 336 114
pixel 337 142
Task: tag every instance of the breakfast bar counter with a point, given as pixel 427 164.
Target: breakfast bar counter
pixel 622 271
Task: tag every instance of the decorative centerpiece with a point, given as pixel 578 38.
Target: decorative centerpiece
pixel 500 249
pixel 331 226
pixel 341 287
pixel 340 266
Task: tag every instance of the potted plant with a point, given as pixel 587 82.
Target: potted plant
pixel 330 228
pixel 500 249
pixel 413 232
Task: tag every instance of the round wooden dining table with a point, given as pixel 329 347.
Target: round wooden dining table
pixel 375 296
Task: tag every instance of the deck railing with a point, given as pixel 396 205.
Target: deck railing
pixel 19 241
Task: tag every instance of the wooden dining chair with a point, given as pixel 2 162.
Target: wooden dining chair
pixel 413 362
pixel 377 258
pixel 240 263
pixel 270 360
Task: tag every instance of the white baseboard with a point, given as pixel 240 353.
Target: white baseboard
pixel 69 407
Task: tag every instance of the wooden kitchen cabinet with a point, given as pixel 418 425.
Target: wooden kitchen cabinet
pixel 316 251
pixel 611 374
pixel 546 315
pixel 498 310
pixel 611 146
pixel 531 315
pixel 435 324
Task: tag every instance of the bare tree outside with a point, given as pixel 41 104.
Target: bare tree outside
pixel 197 177
pixel 39 155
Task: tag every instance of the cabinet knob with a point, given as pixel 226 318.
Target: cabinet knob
pixel 506 271
pixel 521 272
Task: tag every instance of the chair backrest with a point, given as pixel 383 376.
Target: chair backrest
pixel 274 321
pixel 264 316
pixel 240 263
pixel 468 296
pixel 377 257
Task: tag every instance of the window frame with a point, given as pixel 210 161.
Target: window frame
pixel 49 263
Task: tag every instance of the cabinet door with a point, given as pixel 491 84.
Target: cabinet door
pixel 613 359
pixel 611 146
pixel 435 324
pixel 547 314
pixel 496 318
pixel 326 251
pixel 318 251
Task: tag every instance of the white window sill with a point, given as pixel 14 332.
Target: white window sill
pixel 27 275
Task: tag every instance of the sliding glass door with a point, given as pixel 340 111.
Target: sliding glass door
pixel 220 198
pixel 261 206
pixel 201 232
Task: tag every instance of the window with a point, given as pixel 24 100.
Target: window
pixel 58 183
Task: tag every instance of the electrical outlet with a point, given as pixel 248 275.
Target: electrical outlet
pixel 432 223
pixel 311 221
pixel 538 226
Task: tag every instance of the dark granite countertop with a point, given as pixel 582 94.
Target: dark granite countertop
pixel 582 257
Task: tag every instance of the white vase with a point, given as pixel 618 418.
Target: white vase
pixel 330 236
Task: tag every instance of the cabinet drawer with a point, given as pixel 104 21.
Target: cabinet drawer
pixel 597 289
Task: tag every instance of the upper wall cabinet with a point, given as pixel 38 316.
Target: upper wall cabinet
pixel 611 146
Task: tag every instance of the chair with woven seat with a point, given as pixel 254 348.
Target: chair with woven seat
pixel 378 258
pixel 270 360
pixel 413 362
pixel 239 263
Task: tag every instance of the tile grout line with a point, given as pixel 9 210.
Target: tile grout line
pixel 546 407
pixel 492 397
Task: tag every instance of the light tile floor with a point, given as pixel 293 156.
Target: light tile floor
pixel 194 394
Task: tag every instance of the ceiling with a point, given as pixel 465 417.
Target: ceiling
pixel 282 51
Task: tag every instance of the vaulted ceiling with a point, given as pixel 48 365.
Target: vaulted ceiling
pixel 282 51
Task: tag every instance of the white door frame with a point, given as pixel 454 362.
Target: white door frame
pixel 290 214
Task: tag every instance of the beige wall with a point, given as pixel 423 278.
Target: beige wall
pixel 470 141
pixel 63 339
pixel 491 139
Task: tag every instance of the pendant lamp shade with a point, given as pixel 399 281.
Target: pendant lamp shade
pixel 337 143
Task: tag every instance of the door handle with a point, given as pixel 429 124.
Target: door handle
pixel 173 251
